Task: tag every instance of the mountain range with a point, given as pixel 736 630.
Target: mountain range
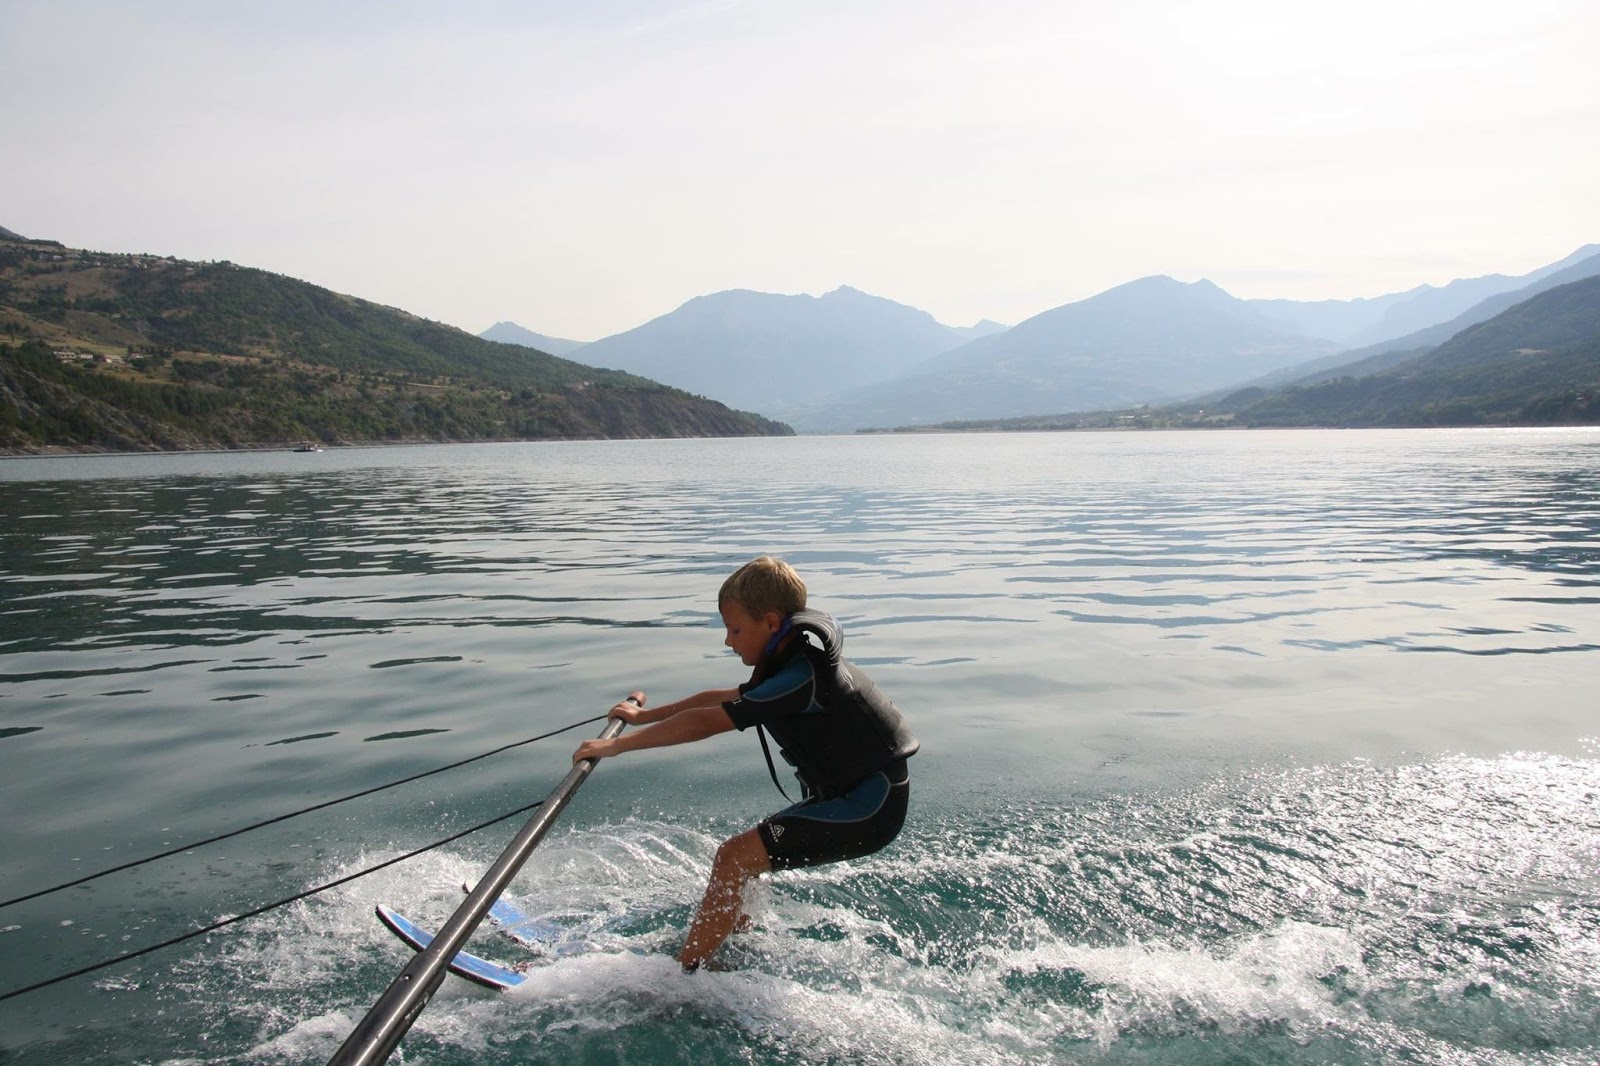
pixel 1369 323
pixel 1385 354
pixel 1535 363
pixel 852 361
pixel 126 351
pixel 762 351
pixel 1137 343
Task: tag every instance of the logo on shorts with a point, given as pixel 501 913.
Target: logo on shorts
pixel 777 830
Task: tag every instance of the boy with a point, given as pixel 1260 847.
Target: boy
pixel 847 743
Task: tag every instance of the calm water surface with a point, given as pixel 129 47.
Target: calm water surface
pixel 1256 747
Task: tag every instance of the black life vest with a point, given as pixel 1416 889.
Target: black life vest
pixel 858 731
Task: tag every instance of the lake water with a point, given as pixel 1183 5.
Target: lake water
pixel 1237 747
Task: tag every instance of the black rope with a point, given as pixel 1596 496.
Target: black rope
pixel 214 926
pixel 295 814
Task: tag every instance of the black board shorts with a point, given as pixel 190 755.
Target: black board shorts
pixel 860 822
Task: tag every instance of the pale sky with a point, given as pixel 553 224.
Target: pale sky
pixel 581 167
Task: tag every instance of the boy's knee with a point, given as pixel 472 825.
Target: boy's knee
pixel 743 856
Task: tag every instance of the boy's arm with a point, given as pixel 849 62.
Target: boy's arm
pixel 685 725
pixel 636 714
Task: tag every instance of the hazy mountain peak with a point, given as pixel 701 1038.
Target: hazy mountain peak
pixel 1377 320
pixel 1149 283
pixel 511 333
pixel 1152 300
pixel 984 327
pixel 756 350
pixel 8 235
pixel 1586 252
pixel 723 295
pixel 1449 308
pixel 1164 287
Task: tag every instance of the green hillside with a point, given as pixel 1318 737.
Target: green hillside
pixel 108 351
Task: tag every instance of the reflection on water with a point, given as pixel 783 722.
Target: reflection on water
pixel 308 736
pixel 1226 739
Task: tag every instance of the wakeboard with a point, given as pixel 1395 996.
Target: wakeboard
pixel 559 935
pixel 465 964
pixel 526 930
pixel 564 934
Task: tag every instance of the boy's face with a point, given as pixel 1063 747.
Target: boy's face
pixel 748 635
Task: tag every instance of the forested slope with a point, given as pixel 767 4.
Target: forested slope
pixel 106 351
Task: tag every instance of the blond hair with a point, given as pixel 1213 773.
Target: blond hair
pixel 762 585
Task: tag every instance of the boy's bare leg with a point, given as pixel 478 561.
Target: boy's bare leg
pixel 738 861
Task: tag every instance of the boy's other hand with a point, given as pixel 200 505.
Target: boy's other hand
pixel 628 710
pixel 594 749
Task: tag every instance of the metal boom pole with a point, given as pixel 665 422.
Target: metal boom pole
pixel 372 1041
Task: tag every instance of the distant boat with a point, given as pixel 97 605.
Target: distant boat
pixel 307 446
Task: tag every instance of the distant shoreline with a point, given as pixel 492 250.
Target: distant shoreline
pixel 80 452
pixel 61 452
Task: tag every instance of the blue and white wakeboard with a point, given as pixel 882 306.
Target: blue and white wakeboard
pixel 465 964
pixel 525 929
pixel 543 935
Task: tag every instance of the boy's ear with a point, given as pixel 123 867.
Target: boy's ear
pixel 773 621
